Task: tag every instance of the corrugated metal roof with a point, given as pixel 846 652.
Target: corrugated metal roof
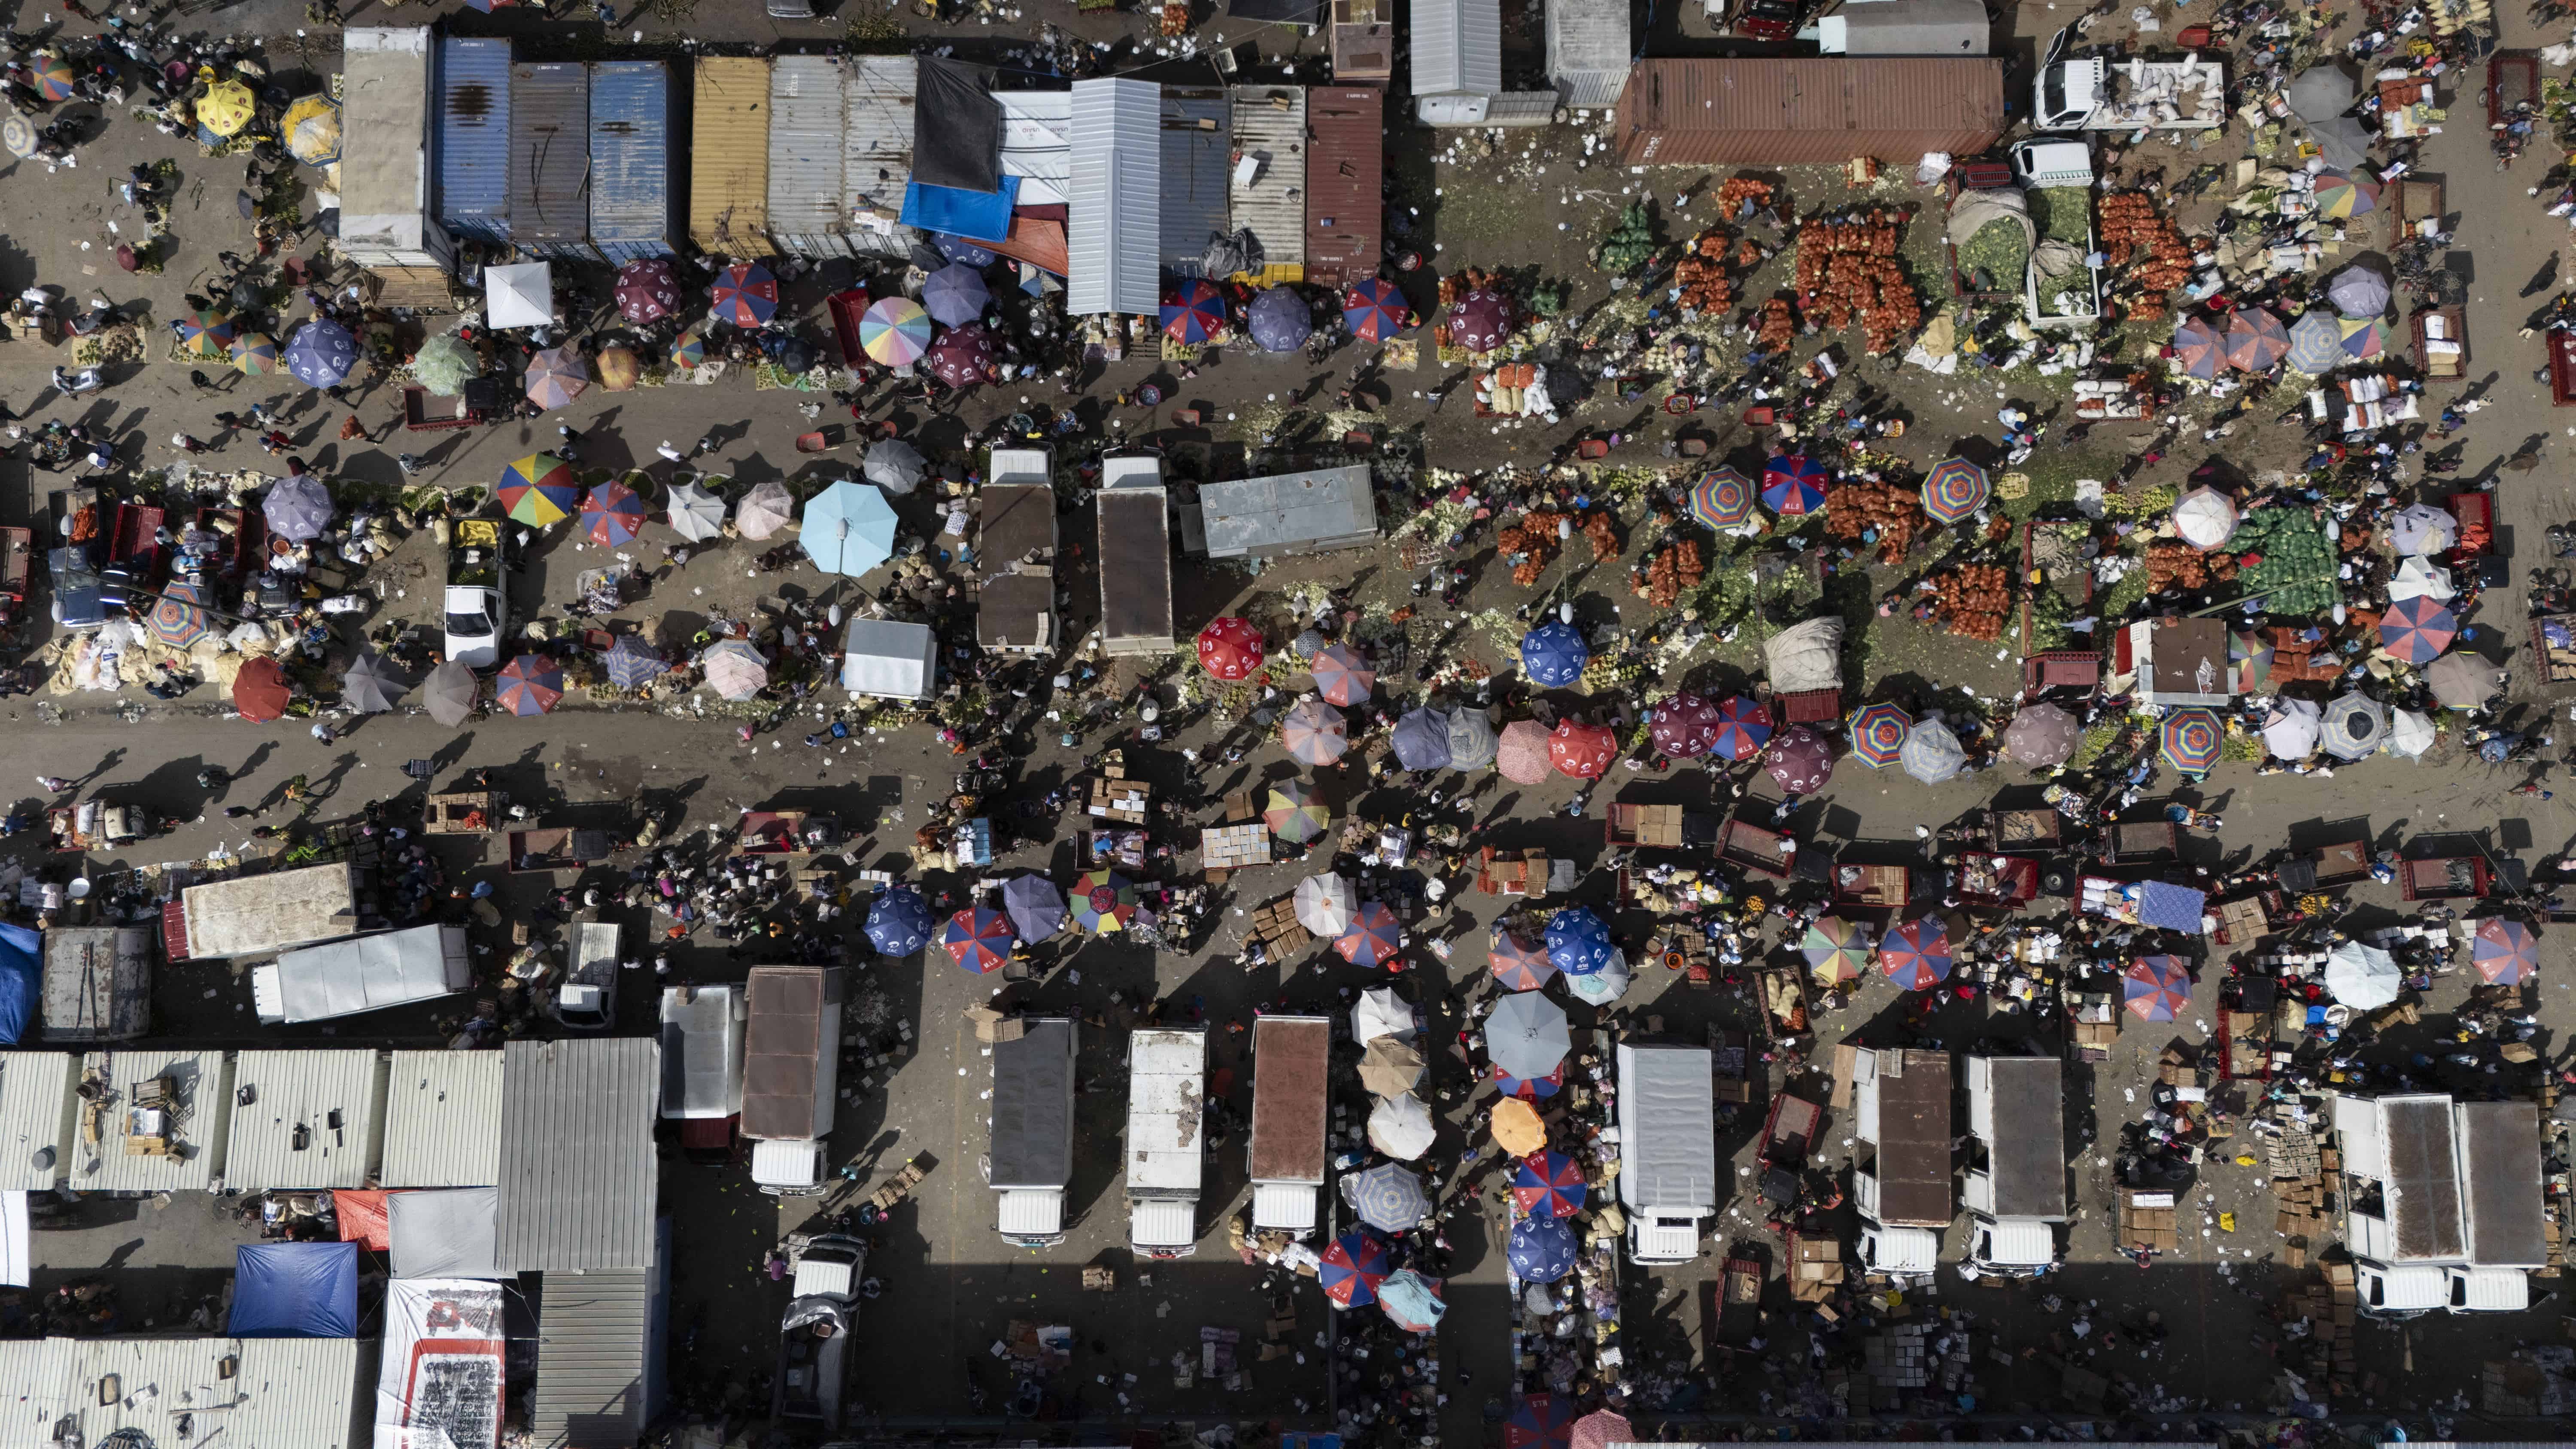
pixel 35 1119
pixel 729 157
pixel 594 1336
pixel 2501 1184
pixel 252 914
pixel 630 159
pixel 577 1166
pixel 1288 512
pixel 98 983
pixel 385 130
pixel 1345 180
pixel 443 1120
pixel 805 167
pixel 1197 138
pixel 876 149
pixel 550 159
pixel 474 136
pixel 201 1084
pixel 1587 50
pixel 1270 127
pixel 1135 539
pixel 303 1392
pixel 1114 220
pixel 1457 46
pixel 35 1390
pixel 284 1135
pixel 1776 111
pixel 1037 144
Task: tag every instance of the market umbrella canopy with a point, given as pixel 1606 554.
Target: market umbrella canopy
pixel 1605 986
pixel 556 376
pixel 2409 734
pixel 980 939
pixel 443 365
pixel 1351 1269
pixel 179 617
pixel 955 295
pixel 2460 681
pixel 1553 655
pixel 529 684
pixel 1600 1429
pixel 2198 349
pixel 647 291
pixel 1375 310
pixel 1916 954
pixel 206 334
pixel 538 490
pixel 1279 320
pixel 689 349
pixel 2256 340
pixel 1390 1068
pixel 964 356
pixel 520 295
pixel 2042 736
pixel 53 76
pixel 1743 728
pixel 1314 732
pixel 1421 740
pixel 2156 988
pixel 1522 754
pixel 631 663
pixel 1373 937
pixel 19 137
pixel 1103 901
pixel 297 508
pixel 1341 676
pixel 2420 528
pixel 2417 630
pixel 1932 753
pixel 1193 312
pixel 612 515
pixel 1517 1128
pixel 1526 1034
pixel 1472 743
pixel 1721 499
pixel 2362 977
pixel 734 669
pixel 1582 751
pixel 226 107
pixel 2293 728
pixel 1793 485
pixel 898 921
pixel 255 353
pixel 619 368
pixel 1481 320
pixel 2189 739
pixel 1542 1250
pixel 1411 1302
pixel 849 529
pixel 1549 1184
pixel 1231 648
pixel 1401 1127
pixel 744 294
pixel 959 249
pixel 1878 734
pixel 693 513
pixel 1801 761
pixel 895 466
pixel 1294 814
pixel 1035 906
pixel 321 353
pixel 2505 952
pixel 1954 490
pixel 1324 904
pixel 1389 1197
pixel 2359 291
pixel 1518 967
pixel 895 331
pixel 1836 950
pixel 2249 660
pixel 2205 518
pixel 370 685
pixel 2364 338
pixel 767 508
pixel 1578 942
pixel 450 693
pixel 2316 342
pixel 1683 727
pixel 260 691
pixel 2341 195
pixel 2354 726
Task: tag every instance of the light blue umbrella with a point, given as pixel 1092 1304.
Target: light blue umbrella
pixel 849 529
pixel 1390 1198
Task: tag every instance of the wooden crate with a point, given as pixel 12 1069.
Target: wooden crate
pixel 463 812
pixel 1277 924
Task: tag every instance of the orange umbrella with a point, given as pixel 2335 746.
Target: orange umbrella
pixel 1517 1129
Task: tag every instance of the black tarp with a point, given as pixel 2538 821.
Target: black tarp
pixel 956 127
pixel 1280 12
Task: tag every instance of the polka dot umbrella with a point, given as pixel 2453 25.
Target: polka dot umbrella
pixel 226 107
pixel 1375 310
pixel 1684 727
pixel 1721 500
pixel 1793 485
pixel 1878 734
pixel 1800 760
pixel 1954 490
pixel 1230 648
pixel 745 294
pixel 1521 754
pixel 1917 954
pixel 647 291
pixel 1583 751
pixel 1743 728
pixel 2189 740
pixel 963 357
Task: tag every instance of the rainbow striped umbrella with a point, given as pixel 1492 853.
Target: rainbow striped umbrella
pixel 179 616
pixel 1518 966
pixel 1743 728
pixel 52 76
pixel 2505 952
pixel 1375 310
pixel 745 294
pixel 1836 949
pixel 2341 195
pixel 206 334
pixel 1793 485
pixel 2156 988
pixel 1550 1184
pixel 1193 312
pixel 2189 740
pixel 538 490
pixel 2417 630
pixel 255 353
pixel 1721 499
pixel 979 938
pixel 1878 734
pixel 895 331
pixel 612 515
pixel 529 684
pixel 2251 657
pixel 1373 935
pixel 1917 954
pixel 689 349
pixel 1954 490
pixel 1103 901
pixel 1294 814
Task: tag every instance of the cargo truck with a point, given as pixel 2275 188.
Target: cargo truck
pixel 1166 1139
pixel 1667 1149
pixel 791 1070
pixel 1901 1166
pixel 369 973
pixel 255 915
pixel 587 999
pixel 2016 1188
pixel 702 1066
pixel 2098 93
pixel 1030 1162
pixel 1291 1067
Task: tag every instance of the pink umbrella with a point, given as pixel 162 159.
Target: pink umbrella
pixel 1521 754
pixel 1801 760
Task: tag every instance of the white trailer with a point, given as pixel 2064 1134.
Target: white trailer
pixel 2016 1192
pixel 1901 1169
pixel 1291 1072
pixel 2095 93
pixel 1667 1149
pixel 365 973
pixel 1166 1139
pixel 791 1071
pixel 254 915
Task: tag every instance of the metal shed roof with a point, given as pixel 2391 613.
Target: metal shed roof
pixel 202 1087
pixel 1166 1096
pixel 442 1119
pixel 1912 27
pixel 1037 144
pixel 303 1392
pixel 1345 181
pixel 578 1171
pixel 1032 1144
pixel 1135 538
pixel 595 1355
pixel 35 1390
pixel 1588 50
pixel 2500 1173
pixel 474 136
pixel 2422 1184
pixel 1113 223
pixel 1270 130
pixel 385 180
pixel 806 180
pixel 305 1119
pixel 35 1118
pixel 98 983
pixel 1197 142
pixel 1457 46
pixel 630 159
pixel 876 148
pixel 729 157
pixel 550 158
pixel 1289 512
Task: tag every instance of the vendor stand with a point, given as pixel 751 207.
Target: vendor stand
pixel 2137 841
pixel 2441 343
pixel 1997 882
pixel 785 832
pixel 2161 904
pixel 556 849
pixel 2018 830
pixel 1786 1014
pixel 2415 209
pixel 1755 848
pixel 1872 887
pixel 1789 1134
pixel 2447 877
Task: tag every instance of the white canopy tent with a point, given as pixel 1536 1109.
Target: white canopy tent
pixel 522 295
pixel 889 660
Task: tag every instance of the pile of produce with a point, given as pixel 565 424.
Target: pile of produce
pixel 1603 538
pixel 2133 231
pixel 2283 555
pixel 1701 275
pixel 1974 600
pixel 1735 191
pixel 2173 564
pixel 1776 327
pixel 1848 269
pixel 1994 259
pixel 1533 541
pixel 1669 571
pixel 1630 242
pixel 1852 510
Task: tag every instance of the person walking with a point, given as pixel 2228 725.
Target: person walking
pixel 409 463
pixel 52 784
pixel 274 442
pixel 186 444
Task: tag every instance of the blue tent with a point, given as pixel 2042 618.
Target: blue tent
pixel 1553 655
pixel 899 922
pixel 295 1290
pixel 849 529
pixel 22 977
pixel 1542 1249
pixel 2171 907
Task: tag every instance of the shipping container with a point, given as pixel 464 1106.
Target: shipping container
pixel 474 137
pixel 1345 174
pixel 550 161
pixel 630 159
pixel 388 215
pixel 1457 59
pixel 1114 222
pixel 1773 112
pixel 1588 52
pixel 805 165
pixel 729 158
pixel 1267 197
pixel 876 151
pixel 1197 142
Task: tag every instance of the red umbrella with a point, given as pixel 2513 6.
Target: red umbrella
pixel 1373 937
pixel 963 356
pixel 1374 310
pixel 260 691
pixel 1684 726
pixel 1801 760
pixel 1518 967
pixel 1480 320
pixel 646 291
pixel 1230 648
pixel 1583 751
pixel 979 938
pixel 1917 954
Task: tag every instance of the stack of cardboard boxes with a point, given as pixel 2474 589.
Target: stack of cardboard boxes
pixel 2300 1170
pixel 1225 848
pixel 1815 1267
pixel 2147 1221
pixel 1115 797
pixel 1276 924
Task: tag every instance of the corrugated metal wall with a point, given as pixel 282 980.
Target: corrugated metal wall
pixel 876 150
pixel 630 159
pixel 1808 112
pixel 1457 46
pixel 1345 176
pixel 474 137
pixel 1037 145
pixel 1588 52
pixel 729 157
pixel 1197 137
pixel 1114 220
pixel 1270 127
pixel 550 160
pixel 805 180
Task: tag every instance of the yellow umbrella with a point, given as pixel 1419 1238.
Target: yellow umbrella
pixel 312 131
pixel 1517 1129
pixel 617 368
pixel 226 107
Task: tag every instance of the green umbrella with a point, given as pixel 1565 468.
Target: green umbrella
pixel 444 363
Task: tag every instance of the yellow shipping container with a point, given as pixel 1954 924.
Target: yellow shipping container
pixel 729 158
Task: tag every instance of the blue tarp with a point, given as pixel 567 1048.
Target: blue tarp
pixel 22 977
pixel 2170 907
pixel 295 1290
pixel 983 216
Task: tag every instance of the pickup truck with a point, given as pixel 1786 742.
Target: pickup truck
pixel 477 608
pixel 2097 93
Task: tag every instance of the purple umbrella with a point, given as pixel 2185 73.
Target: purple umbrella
pixel 1279 320
pixel 1801 760
pixel 963 356
pixel 955 295
pixel 1683 727
pixel 1481 320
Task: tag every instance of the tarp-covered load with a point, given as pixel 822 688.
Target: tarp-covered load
pixel 295 1290
pixel 957 127
pixel 1806 656
pixel 441 1377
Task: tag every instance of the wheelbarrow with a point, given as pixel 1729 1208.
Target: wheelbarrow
pixel 1592 448
pixel 822 441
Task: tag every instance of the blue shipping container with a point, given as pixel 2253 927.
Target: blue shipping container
pixel 474 138
pixel 630 159
pixel 550 160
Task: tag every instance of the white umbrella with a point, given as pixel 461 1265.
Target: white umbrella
pixel 1931 753
pixel 1380 1013
pixel 2419 577
pixel 695 514
pixel 1401 1127
pixel 2291 730
pixel 2421 528
pixel 1324 905
pixel 1526 1034
pixel 2206 518
pixel 764 510
pixel 2361 977
pixel 734 669
pixel 519 296
pixel 1604 986
pixel 2354 726
pixel 2409 734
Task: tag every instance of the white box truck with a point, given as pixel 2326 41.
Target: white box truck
pixel 255 915
pixel 1030 1162
pixel 1166 1139
pixel 791 1071
pixel 2096 93
pixel 1901 1168
pixel 2447 1207
pixel 1667 1149
pixel 365 973
pixel 1291 1070
pixel 2016 1189
pixel 587 999
pixel 702 1066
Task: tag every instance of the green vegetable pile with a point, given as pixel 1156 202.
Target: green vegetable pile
pixel 2297 573
pixel 2062 213
pixel 1994 258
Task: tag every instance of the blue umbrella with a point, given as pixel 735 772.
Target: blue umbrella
pixel 899 921
pixel 298 507
pixel 1421 740
pixel 958 249
pixel 1577 941
pixel 1035 906
pixel 1389 1197
pixel 321 353
pixel 631 662
pixel 1542 1249
pixel 955 295
pixel 1279 320
pixel 849 529
pixel 1553 655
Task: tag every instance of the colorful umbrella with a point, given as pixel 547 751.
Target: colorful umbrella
pixel 2189 740
pixel 1410 1301
pixel 2505 952
pixel 556 376
pixel 226 107
pixel 52 76
pixel 963 357
pixel 1541 1250
pixel 1314 732
pixel 1721 499
pixel 179 617
pixel 1375 310
pixel 2156 988
pixel 631 663
pixel 612 515
pixel 1743 728
pixel 2342 195
pixel 1279 320
pixel 1373 938
pixel 529 684
pixel 443 365
pixel 311 128
pixel 206 334
pixel 1878 734
pixel 1035 906
pixel 898 921
pixel 1954 490
pixel 1836 950
pixel 1577 941
pixel 1549 1184
pixel 1534 1088
pixel 2417 630
pixel 2198 352
pixel 2316 342
pixel 1800 760
pixel 1521 754
pixel 538 490
pixel 2256 340
pixel 955 295
pixel 1517 966
pixel 1389 1197
pixel 1917 954
pixel 734 669
pixel 2250 656
pixel 18 137
pixel 1193 312
pixel 1583 751
pixel 1294 814
pixel 1683 727
pixel 1230 648
pixel 1553 655
pixel 689 349
pixel 979 938
pixel 2042 736
pixel 895 331
pixel 1480 320
pixel 260 690
pixel 1103 901
pixel 1793 485
pixel 745 294
pixel 1351 1270
pixel 255 353
pixel 647 291
pixel 1540 1421
pixel 1341 676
